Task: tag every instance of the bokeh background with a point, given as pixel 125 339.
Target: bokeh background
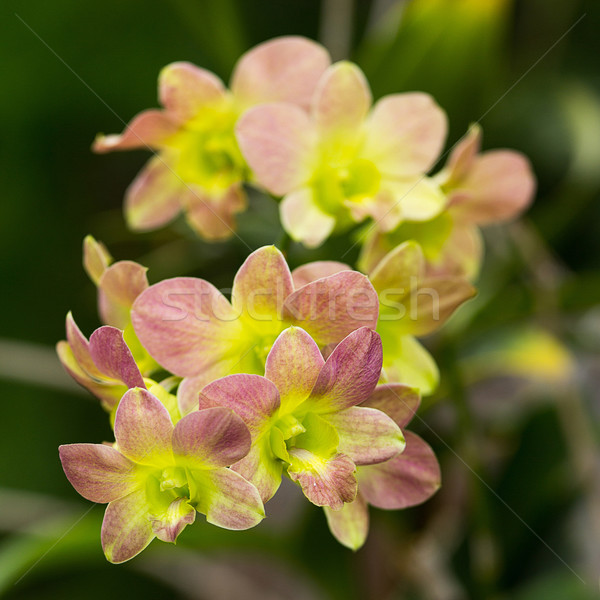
pixel 515 421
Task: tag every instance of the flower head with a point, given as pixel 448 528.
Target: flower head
pixel 157 476
pixel 198 167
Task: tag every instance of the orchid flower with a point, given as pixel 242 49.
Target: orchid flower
pixel 405 480
pixel 411 304
pixel 303 418
pixel 346 161
pixel 158 475
pixel 198 167
pixel 194 332
pixel 481 188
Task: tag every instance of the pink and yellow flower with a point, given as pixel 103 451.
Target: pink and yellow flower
pixel 346 161
pixel 198 167
pixel 303 417
pixel 158 475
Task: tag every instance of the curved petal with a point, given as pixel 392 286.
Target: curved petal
pixel 463 156
pixel 189 388
pixel 293 365
pixel 118 287
pixel 499 186
pixel 284 69
pixel 416 199
pixel 350 373
pixel 184 89
pixel 143 429
pixel 127 528
pixel 187 326
pixel 341 101
pixel 112 356
pixel 367 435
pixel 80 347
pixel 406 480
pixel 168 525
pixel 214 437
pixel 405 134
pixel 98 472
pixel 226 498
pixel 96 258
pixel 462 254
pixel 349 525
pixel 261 285
pixel 399 270
pixel 147 130
pixel 154 197
pixel 398 401
pixel 278 142
pixel 317 270
pixel 331 308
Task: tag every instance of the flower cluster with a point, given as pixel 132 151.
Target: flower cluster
pixel 311 374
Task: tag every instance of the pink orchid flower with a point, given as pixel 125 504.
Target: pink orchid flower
pixel 158 475
pixel 197 167
pixel 346 161
pixel 193 331
pixel 303 417
pixel 405 480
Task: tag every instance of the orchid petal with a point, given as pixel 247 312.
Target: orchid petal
pixel 147 130
pixel 406 480
pixel 112 356
pixel 169 524
pixel 214 437
pixel 126 529
pixel 189 389
pixel 118 287
pixel 405 134
pixel 317 270
pixel 80 348
pixel 331 308
pixel 410 200
pixel 463 156
pixel 184 89
pixel 187 326
pixel 399 271
pixel 278 142
pixel 303 219
pixel 367 435
pixel 284 69
pixel 96 258
pixel 154 197
pixel 226 498
pixel 350 373
pixel 342 100
pixel 98 472
pixel 293 365
pixel 398 401
pixel 462 253
pixel 143 429
pixel 350 524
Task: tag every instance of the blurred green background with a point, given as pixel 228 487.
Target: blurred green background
pixel 515 422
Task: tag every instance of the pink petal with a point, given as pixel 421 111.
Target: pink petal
pixel 184 89
pixel 143 429
pixel 81 349
pixel 112 356
pixel 463 155
pixel 399 271
pixel 261 285
pixel 284 69
pixel 189 389
pixel 187 326
pixel 367 435
pixel 127 528
pixel 278 142
pixel 406 480
pixel 118 287
pixel 405 134
pixel 396 400
pixel 462 254
pixel 498 187
pixel 147 130
pixel 331 308
pixel 350 524
pixel 350 373
pixel 174 520
pixel 317 270
pixel 342 100
pixel 252 397
pixel 214 437
pixel 227 499
pixel 154 197
pixel 97 471
pixel 332 484
pixel 293 365
pixel 96 258
pixel 212 214
pixel 303 220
